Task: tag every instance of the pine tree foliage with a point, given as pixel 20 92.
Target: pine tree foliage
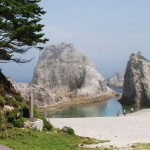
pixel 20 28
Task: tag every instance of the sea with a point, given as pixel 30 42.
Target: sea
pixel 108 108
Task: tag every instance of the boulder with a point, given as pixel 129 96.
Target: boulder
pixel 36 124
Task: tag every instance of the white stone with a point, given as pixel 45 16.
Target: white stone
pixel 8 108
pixel 37 124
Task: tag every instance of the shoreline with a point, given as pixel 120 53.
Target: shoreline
pixel 121 131
pixel 76 101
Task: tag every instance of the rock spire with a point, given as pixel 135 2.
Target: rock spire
pixel 136 87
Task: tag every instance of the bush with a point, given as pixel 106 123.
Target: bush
pixel 47 125
pixel 11 115
pixel 11 102
pixel 15 104
pixel 25 110
pixel 37 114
pixel 67 130
pixel 19 98
pixel 19 122
pixel 15 118
pixel 2 101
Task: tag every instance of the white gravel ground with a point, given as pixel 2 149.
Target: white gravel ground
pixel 121 131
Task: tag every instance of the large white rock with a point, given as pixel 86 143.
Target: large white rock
pixel 62 75
pixel 37 124
pixel 63 69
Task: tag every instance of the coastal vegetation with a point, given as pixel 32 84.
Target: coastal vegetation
pixel 25 139
pixel 20 29
pixel 141 146
pixel 14 135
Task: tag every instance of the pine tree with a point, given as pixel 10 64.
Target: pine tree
pixel 19 28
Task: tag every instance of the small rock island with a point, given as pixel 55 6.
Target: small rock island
pixel 136 87
pixel 116 80
pixel 64 75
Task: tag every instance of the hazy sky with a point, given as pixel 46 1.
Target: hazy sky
pixel 107 31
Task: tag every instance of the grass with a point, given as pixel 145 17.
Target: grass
pixel 141 146
pixel 27 139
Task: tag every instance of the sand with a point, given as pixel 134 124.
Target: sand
pixel 122 131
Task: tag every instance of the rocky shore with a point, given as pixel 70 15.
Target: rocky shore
pixel 76 101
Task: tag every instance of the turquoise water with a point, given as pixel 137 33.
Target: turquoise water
pixel 99 109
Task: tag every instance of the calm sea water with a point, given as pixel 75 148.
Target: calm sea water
pixel 99 109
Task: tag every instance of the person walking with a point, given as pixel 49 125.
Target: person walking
pixel 131 109
pixel 124 112
pixel 118 113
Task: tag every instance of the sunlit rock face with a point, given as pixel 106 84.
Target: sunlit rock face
pixel 41 96
pixel 136 88
pixel 62 75
pixel 62 69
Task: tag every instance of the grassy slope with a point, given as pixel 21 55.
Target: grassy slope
pixel 25 139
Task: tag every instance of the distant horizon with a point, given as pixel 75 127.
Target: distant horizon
pixel 29 77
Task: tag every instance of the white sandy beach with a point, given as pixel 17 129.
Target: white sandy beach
pixel 121 131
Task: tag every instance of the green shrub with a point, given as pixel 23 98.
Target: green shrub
pixel 37 114
pixel 47 125
pixel 25 110
pixel 11 115
pixel 11 102
pixel 67 130
pixel 15 104
pixel 15 118
pixel 18 122
pixel 2 101
pixel 19 98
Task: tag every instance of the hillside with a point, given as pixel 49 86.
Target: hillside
pixel 6 88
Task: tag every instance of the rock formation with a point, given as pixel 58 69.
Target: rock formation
pixel 116 80
pixel 62 69
pixel 63 74
pixel 41 96
pixel 136 87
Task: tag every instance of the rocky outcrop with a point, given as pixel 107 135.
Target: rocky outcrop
pixel 36 124
pixel 116 80
pixel 63 74
pixel 41 96
pixel 136 87
pixel 62 69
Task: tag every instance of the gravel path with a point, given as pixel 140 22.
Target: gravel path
pixel 2 147
pixel 121 131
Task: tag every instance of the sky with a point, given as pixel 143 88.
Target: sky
pixel 107 31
